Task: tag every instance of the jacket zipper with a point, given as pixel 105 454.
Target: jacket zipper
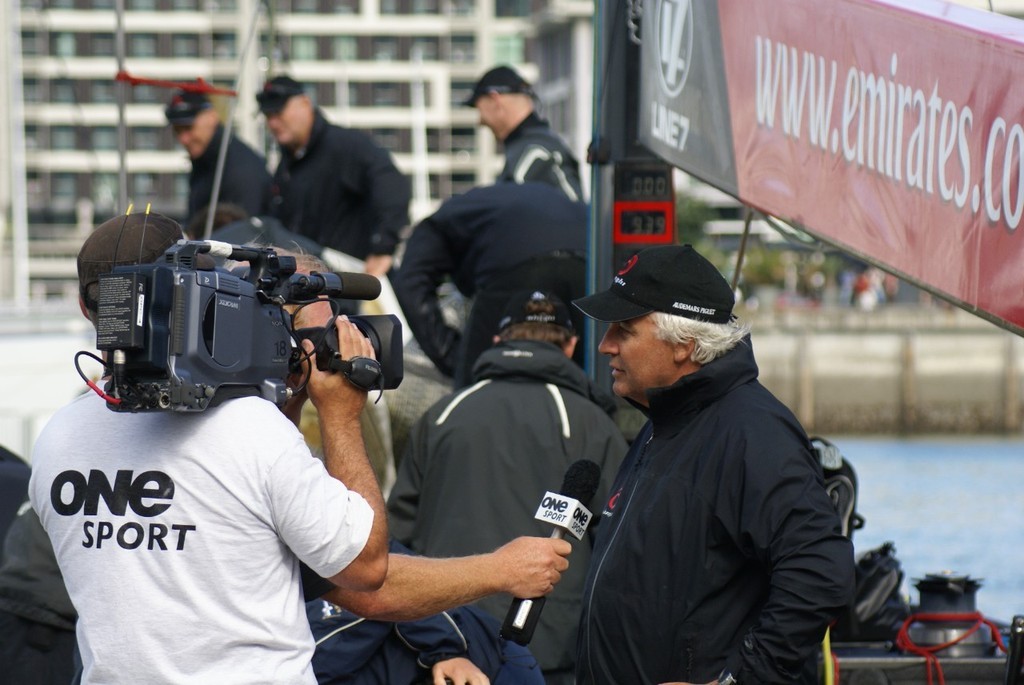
pixel 607 548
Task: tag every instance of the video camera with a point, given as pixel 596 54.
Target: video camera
pixel 183 335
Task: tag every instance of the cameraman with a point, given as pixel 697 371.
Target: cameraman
pixel 180 535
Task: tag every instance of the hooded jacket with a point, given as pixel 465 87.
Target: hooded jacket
pixel 479 462
pixel 719 548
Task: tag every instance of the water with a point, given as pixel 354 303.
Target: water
pixel 948 503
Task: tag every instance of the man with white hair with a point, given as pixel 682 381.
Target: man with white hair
pixel 720 558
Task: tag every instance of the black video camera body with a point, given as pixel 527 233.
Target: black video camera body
pixel 183 335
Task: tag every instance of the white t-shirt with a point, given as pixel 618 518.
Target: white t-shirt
pixel 179 536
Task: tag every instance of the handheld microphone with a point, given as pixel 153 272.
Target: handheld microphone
pixel 566 510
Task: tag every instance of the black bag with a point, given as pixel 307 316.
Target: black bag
pixel 878 609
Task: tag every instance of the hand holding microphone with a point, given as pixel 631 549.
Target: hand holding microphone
pixel 566 511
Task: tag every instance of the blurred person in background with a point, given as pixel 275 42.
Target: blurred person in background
pixel 506 104
pixel 244 181
pixel 333 184
pixel 479 460
pixel 490 242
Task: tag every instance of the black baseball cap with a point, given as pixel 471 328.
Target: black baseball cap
pixel 674 279
pixel 528 306
pixel 276 92
pixel 184 106
pixel 499 80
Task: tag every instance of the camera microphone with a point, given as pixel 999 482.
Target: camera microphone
pixel 350 286
pixel 566 510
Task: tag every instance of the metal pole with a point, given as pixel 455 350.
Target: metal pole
pixel 19 189
pixel 122 99
pixel 222 153
pixel 743 248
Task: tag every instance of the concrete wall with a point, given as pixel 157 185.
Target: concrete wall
pixel 947 381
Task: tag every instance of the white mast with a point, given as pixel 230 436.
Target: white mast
pixel 18 200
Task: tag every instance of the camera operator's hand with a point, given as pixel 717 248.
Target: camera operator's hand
pixel 331 387
pixel 339 403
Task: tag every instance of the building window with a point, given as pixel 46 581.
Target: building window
pixel 304 48
pixel 345 48
pixel 103 92
pixel 389 7
pixel 146 95
pixel 63 186
pixel 463 49
pixel 385 49
pixel 460 91
pixel 62 44
pixel 224 45
pixel 102 44
pixel 184 45
pixel 385 95
pixel 511 8
pixel 104 138
pixel 461 8
pixel 142 5
pixel 146 138
pixel 427 46
pixel 142 45
pixel 387 138
pixel 424 7
pixel 63 91
pixel 31 90
pixel 463 140
pixel 509 50
pixel 142 185
pixel 346 7
pixel 103 4
pixel 184 5
pixel 304 6
pixel 62 137
pixel 181 185
pixel 31 44
pixel 31 137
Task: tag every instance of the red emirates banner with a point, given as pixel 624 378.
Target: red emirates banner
pixel 893 130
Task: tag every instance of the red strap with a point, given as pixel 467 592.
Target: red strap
pixel 906 644
pixel 197 86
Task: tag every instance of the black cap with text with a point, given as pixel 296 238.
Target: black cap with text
pixel 674 279
pixel 276 92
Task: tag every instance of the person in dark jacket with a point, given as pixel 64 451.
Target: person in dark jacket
pixel 37 620
pixel 720 557
pixel 533 152
pixel 245 180
pixel 333 184
pixel 479 461
pixel 461 645
pixel 491 242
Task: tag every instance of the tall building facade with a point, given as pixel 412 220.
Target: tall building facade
pixel 398 69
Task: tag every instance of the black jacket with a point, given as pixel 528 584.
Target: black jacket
pixel 479 461
pixel 719 548
pixel 533 152
pixel 484 240
pixel 343 191
pixel 245 180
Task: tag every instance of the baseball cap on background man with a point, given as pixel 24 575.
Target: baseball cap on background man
pixel 499 80
pixel 674 279
pixel 125 239
pixel 276 92
pixel 536 306
pixel 185 106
